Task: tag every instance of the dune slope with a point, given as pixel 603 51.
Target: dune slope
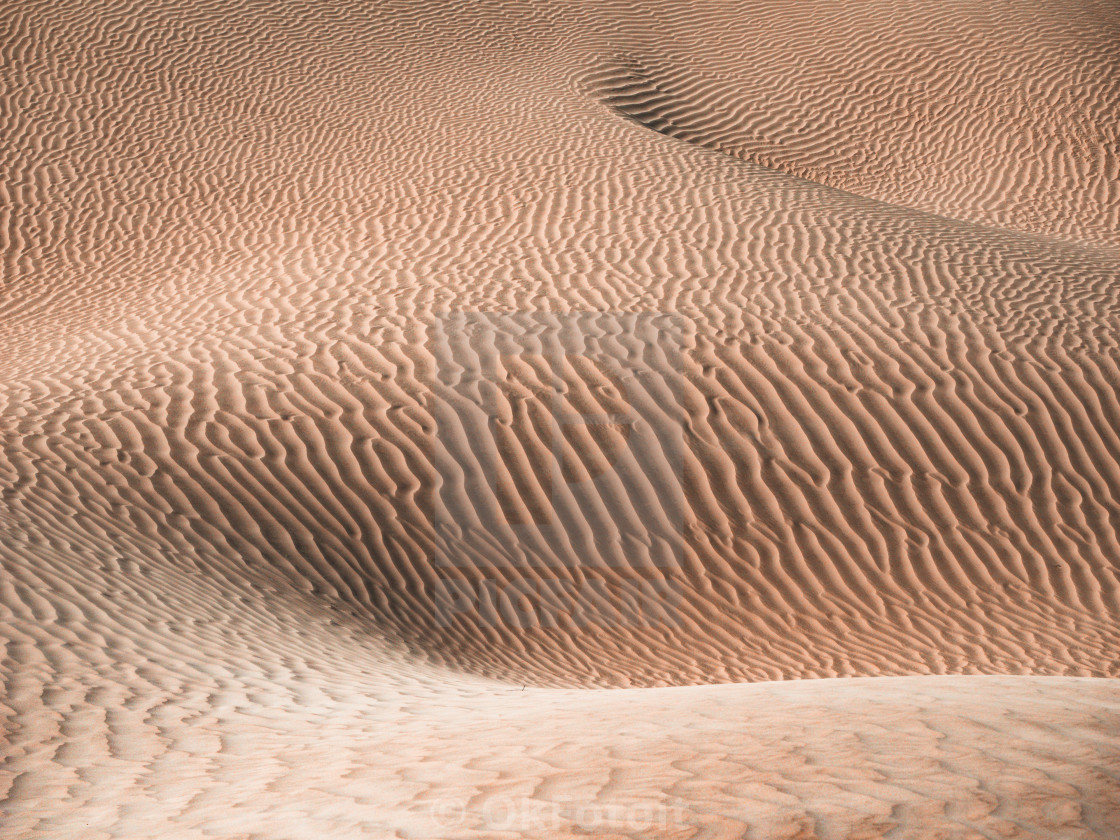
pixel 364 364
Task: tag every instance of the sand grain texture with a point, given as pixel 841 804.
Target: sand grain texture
pixel 802 318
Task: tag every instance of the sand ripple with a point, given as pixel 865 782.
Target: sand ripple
pixel 363 363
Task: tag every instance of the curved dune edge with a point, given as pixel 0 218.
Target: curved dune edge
pixel 882 443
pixel 632 91
pixel 999 117
pixel 136 718
pixel 292 292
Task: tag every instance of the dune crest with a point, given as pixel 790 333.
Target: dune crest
pixel 383 376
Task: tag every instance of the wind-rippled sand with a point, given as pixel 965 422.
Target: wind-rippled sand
pixel 377 379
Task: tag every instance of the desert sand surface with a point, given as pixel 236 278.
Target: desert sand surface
pixel 381 383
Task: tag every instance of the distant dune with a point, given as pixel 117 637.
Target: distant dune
pixel 379 379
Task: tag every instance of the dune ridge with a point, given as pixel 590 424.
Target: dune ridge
pixel 188 706
pixel 383 377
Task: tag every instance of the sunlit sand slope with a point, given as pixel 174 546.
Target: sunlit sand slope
pixel 881 438
pixel 216 708
pixel 361 363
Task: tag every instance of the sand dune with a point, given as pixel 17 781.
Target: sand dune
pixel 375 379
pixel 200 707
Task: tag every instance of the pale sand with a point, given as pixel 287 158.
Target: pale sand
pixel 873 432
